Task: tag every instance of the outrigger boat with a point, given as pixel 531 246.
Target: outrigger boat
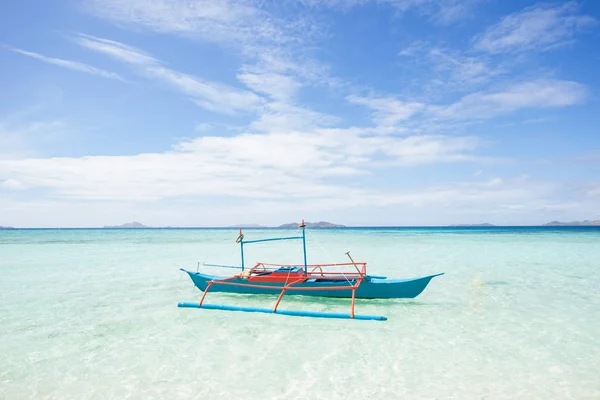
pixel 303 279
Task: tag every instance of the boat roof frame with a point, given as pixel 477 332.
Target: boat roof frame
pixel 242 242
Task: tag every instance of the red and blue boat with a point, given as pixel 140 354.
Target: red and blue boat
pixel 321 280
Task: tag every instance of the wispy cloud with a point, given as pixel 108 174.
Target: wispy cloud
pixel 278 87
pixel 539 27
pixel 416 48
pixel 116 50
pixel 69 64
pixel 212 96
pixel 594 191
pixel 442 12
pixel 532 94
pixel 20 139
pixel 277 113
pixel 445 12
pixel 209 95
pixel 486 104
pixel 388 110
pixel 274 44
pixel 437 71
pixel 236 23
pixel 462 71
pixel 276 39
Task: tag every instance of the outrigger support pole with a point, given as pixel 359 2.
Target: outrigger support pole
pixel 303 226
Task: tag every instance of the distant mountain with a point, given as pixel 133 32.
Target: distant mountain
pixel 574 223
pixel 485 224
pixel 6 227
pixel 247 226
pixel 129 225
pixel 320 224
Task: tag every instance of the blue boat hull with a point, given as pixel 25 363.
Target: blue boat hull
pixel 370 288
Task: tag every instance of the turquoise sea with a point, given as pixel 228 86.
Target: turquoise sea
pixel 92 314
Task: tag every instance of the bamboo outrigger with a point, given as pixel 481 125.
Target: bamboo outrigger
pixel 304 279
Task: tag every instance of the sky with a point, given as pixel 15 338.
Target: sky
pixel 358 112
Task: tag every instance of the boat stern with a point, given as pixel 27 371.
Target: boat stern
pixel 376 288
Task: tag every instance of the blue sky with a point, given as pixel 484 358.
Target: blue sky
pixel 361 112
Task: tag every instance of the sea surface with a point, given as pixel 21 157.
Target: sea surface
pixel 92 314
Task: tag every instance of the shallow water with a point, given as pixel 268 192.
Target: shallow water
pixel 92 314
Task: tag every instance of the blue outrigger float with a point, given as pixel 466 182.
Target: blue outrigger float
pixel 306 280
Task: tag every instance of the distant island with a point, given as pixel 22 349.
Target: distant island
pixel 247 226
pixel 129 225
pixel 291 225
pixel 574 223
pixel 485 224
pixel 320 224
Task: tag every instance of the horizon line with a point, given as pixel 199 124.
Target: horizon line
pixel 562 225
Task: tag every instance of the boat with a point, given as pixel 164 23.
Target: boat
pixel 315 280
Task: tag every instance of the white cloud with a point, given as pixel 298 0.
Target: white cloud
pixel 534 94
pixel 594 191
pixel 210 127
pixel 414 150
pixel 282 117
pixel 475 197
pixel 473 193
pixel 388 110
pixel 538 27
pixel 304 173
pixel 12 184
pixel 517 201
pixel 72 65
pixel 290 165
pixel 212 96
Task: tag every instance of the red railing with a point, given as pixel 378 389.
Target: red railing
pixel 357 277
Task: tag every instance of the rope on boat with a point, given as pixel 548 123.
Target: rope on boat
pixel 330 258
pixel 287 278
pixel 315 240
